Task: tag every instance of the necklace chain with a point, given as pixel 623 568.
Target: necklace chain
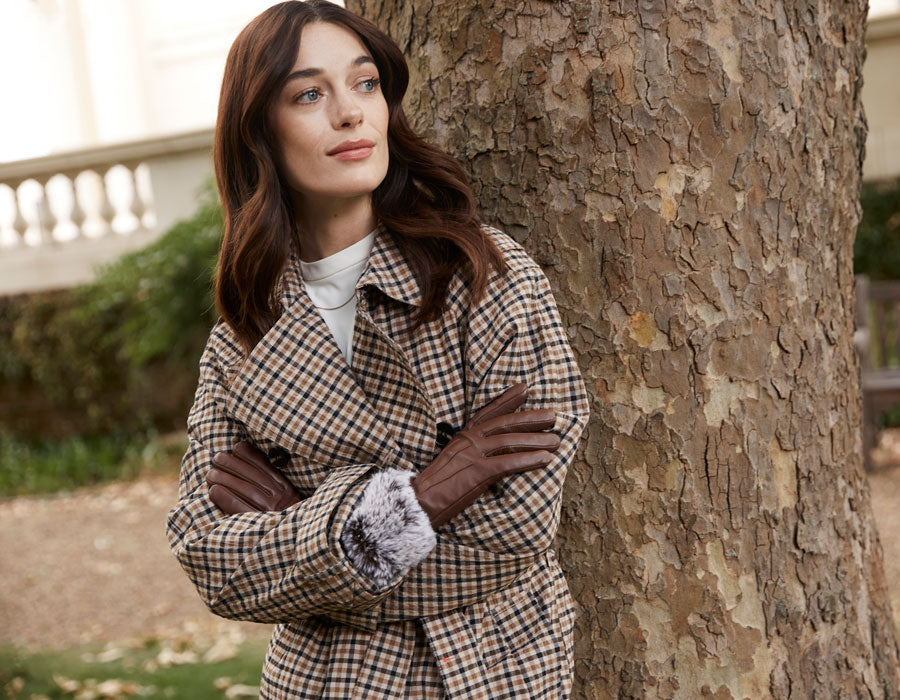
pixel 332 308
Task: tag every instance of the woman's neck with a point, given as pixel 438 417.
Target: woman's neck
pixel 326 228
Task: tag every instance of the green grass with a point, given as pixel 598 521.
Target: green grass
pixel 190 681
pixel 53 466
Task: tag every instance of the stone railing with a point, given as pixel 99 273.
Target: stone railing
pixel 881 98
pixel 61 215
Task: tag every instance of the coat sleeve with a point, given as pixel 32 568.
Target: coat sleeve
pixel 515 336
pixel 282 566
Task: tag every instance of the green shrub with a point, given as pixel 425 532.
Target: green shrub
pixel 47 465
pixel 33 674
pixel 164 290
pixel 876 250
pixel 118 355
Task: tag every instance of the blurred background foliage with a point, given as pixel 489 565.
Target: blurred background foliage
pixel 101 376
pixel 876 250
pixel 95 373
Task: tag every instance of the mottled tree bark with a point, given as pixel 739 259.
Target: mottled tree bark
pixel 687 174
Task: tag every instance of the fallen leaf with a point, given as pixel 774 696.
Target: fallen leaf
pixel 169 657
pixel 113 688
pixel 88 691
pixel 222 650
pixel 67 685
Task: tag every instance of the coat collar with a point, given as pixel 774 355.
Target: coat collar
pixel 297 390
pixel 386 269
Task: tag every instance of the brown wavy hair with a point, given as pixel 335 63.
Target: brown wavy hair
pixel 424 201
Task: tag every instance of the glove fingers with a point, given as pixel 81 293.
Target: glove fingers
pixel 507 402
pixel 518 442
pixel 260 461
pixel 249 453
pixel 248 471
pixel 248 491
pixel 519 422
pixel 502 465
pixel 229 501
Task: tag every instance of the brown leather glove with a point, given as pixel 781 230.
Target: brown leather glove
pixel 495 443
pixel 244 481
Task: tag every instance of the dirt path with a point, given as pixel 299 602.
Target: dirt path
pixel 95 565
pixel 885 488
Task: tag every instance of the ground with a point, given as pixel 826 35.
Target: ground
pixel 95 564
pixel 884 484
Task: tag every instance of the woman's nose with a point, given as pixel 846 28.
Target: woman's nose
pixel 347 111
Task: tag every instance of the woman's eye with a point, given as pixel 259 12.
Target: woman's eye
pixel 303 94
pixel 373 81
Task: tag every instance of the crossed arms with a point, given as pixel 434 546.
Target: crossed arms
pixel 278 566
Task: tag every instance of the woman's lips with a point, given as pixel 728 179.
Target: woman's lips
pixel 354 154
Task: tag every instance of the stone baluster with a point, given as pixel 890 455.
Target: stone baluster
pixel 19 223
pixel 46 218
pixel 138 206
pixel 77 214
pixel 107 212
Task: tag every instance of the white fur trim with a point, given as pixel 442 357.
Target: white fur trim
pixel 388 532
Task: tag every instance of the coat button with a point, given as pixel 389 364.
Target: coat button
pixel 445 433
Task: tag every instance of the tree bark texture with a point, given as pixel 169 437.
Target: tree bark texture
pixel 687 174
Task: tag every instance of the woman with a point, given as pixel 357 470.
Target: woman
pixel 358 472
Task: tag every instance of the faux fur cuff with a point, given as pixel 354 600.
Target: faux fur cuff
pixel 388 532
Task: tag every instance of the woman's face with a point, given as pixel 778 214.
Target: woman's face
pixel 332 95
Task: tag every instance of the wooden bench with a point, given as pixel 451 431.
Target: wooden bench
pixel 878 346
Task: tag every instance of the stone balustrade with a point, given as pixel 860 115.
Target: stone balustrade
pixel 61 215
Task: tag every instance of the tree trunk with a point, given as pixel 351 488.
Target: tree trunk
pixel 687 174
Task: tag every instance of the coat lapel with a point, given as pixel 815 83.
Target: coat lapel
pixel 297 390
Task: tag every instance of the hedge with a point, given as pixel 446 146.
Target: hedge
pixel 119 354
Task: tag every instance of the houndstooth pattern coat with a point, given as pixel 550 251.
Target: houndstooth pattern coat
pixel 479 609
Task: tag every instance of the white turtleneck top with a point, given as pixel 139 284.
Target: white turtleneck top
pixel 332 281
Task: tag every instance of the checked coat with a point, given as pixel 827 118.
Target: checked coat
pixel 485 611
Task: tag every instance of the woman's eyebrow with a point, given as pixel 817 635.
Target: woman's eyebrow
pixel 309 72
